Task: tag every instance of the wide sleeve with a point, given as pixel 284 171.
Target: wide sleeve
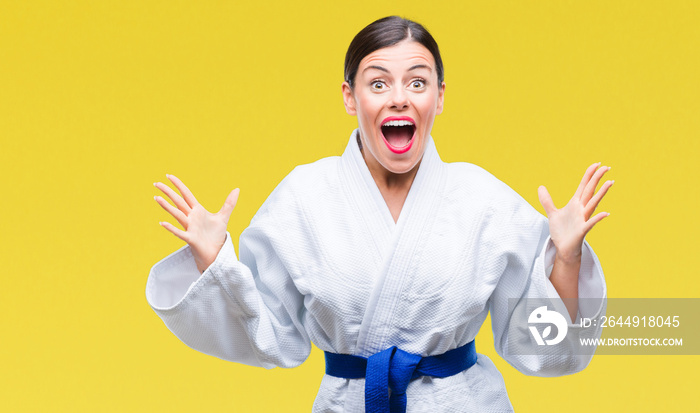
pixel 522 252
pixel 248 311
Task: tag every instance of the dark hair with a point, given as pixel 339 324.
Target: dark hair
pixel 384 33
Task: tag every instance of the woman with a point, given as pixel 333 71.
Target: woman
pixel 386 258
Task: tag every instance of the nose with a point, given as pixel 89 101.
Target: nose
pixel 398 99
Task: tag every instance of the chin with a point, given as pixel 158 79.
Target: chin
pixel 402 166
pixel 395 161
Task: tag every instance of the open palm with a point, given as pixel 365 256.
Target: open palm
pixel 203 231
pixel 569 225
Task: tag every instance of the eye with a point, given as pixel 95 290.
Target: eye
pixel 378 85
pixel 418 84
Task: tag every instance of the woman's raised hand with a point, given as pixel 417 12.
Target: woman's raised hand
pixel 203 231
pixel 570 224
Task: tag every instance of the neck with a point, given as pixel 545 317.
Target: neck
pixel 393 187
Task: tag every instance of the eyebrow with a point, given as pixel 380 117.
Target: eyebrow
pixel 430 69
pixel 414 67
pixel 375 67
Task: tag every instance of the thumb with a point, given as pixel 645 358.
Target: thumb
pixel 546 200
pixel 230 203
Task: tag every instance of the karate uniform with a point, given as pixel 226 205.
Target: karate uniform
pixel 323 261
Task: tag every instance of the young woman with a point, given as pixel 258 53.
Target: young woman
pixel 386 258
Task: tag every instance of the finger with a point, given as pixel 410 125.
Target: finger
pixel 176 231
pixel 593 203
pixel 186 194
pixel 596 219
pixel 586 177
pixel 230 203
pixel 593 183
pixel 176 213
pixel 174 197
pixel 546 200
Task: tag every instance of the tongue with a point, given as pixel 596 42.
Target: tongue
pixel 397 136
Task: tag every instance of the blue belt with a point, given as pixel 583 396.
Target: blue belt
pixel 394 368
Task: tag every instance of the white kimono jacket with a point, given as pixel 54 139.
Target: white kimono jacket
pixel 323 261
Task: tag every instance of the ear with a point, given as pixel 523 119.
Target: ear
pixel 441 98
pixel 349 99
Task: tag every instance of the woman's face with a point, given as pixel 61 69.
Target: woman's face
pixel 395 98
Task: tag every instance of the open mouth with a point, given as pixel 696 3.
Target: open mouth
pixel 398 134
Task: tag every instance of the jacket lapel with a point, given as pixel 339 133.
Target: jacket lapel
pixel 400 244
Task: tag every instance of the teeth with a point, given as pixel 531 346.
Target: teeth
pixel 398 123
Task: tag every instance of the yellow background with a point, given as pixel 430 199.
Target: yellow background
pixel 100 99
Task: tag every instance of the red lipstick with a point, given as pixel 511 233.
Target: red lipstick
pixel 398 133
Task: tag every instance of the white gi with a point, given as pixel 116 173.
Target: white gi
pixel 323 261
